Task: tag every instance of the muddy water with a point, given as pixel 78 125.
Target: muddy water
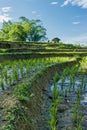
pixel 20 75
pixel 65 112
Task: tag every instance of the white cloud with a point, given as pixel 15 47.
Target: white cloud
pixel 81 3
pixel 54 3
pixel 81 39
pixel 4 14
pixel 75 23
pixel 66 2
pixel 4 18
pixel 6 9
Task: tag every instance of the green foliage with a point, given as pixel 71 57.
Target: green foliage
pixel 78 118
pixel 12 71
pixel 53 122
pixel 24 30
pixel 38 33
pixel 17 113
pixel 22 92
pixel 17 33
pixel 56 77
pixel 56 102
pixel 8 127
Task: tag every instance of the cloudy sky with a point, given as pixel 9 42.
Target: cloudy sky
pixel 66 19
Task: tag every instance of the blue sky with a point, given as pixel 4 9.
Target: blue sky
pixel 66 19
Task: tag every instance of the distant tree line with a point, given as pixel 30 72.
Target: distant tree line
pixel 24 30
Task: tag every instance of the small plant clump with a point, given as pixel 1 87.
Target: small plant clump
pixel 55 102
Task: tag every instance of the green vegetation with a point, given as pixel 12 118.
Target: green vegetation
pixel 56 101
pixel 22 77
pixel 24 30
pixel 73 89
pixel 12 71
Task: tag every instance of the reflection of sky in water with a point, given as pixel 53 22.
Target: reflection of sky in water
pixel 77 84
pixel 84 99
pixel 71 96
pixel 10 74
pixel 67 83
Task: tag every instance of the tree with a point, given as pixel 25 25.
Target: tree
pixel 23 19
pixel 24 30
pixel 17 33
pixel 5 30
pixel 38 33
pixel 55 40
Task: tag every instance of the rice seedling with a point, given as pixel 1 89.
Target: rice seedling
pixel 77 118
pixel 56 101
pixel 79 123
pixel 22 68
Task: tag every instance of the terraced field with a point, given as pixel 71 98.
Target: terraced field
pixel 43 89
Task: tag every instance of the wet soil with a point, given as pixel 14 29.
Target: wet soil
pixel 66 111
pixel 38 107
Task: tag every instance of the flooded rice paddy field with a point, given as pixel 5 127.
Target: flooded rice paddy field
pixel 72 110
pixel 71 87
pixel 13 71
